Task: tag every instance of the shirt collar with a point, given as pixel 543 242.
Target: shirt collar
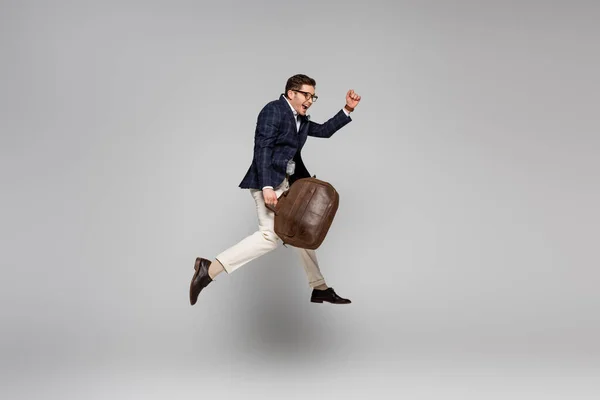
pixel 293 110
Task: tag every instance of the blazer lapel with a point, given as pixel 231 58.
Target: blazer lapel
pixel 303 123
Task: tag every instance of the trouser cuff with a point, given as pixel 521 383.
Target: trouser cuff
pixel 314 284
pixel 226 266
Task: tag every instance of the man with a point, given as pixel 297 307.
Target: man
pixel 281 131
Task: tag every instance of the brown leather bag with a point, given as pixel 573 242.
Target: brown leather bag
pixel 304 212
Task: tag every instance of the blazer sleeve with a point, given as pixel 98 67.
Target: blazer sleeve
pixel 327 129
pixel 267 127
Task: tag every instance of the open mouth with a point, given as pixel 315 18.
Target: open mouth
pixel 304 107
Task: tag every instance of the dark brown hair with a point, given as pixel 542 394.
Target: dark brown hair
pixel 296 82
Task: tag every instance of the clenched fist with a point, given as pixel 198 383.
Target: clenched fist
pixel 270 197
pixel 352 99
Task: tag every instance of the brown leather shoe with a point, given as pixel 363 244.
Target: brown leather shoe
pixel 200 280
pixel 329 295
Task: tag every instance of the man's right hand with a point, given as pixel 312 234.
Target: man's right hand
pixel 270 197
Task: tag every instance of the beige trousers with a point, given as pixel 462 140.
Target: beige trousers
pixel 265 240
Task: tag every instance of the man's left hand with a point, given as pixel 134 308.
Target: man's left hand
pixel 352 98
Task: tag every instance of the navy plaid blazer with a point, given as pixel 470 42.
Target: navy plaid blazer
pixel 276 141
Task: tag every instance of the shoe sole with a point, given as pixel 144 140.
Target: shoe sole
pixel 323 301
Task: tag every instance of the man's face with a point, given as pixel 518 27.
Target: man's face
pixel 301 102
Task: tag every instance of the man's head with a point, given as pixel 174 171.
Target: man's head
pixel 300 91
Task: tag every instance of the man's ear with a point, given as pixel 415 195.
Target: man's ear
pixel 288 94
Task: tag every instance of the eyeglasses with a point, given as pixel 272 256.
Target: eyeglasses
pixel 307 95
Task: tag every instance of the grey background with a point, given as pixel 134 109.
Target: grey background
pixel 466 235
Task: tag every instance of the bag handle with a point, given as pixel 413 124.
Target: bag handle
pixel 274 209
pixel 270 207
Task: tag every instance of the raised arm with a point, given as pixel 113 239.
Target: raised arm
pixel 340 119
